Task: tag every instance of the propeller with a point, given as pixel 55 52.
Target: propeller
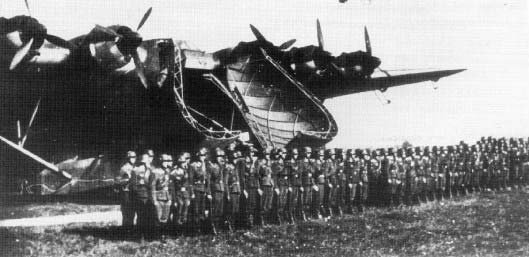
pixel 20 54
pixel 320 34
pixel 32 34
pixel 368 42
pixel 127 42
pixel 261 38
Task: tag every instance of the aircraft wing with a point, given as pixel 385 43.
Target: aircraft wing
pixel 382 80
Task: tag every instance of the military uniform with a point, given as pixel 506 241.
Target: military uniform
pixel 352 173
pixel 233 187
pixel 307 171
pixel 295 197
pixel 394 182
pixel 216 175
pixel 162 190
pixel 363 185
pixel 282 184
pixel 320 179
pixel 251 184
pixel 141 193
pixel 267 186
pixel 411 180
pixel 200 184
pixel 126 200
pixel 183 193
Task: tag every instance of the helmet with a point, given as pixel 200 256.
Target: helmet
pixel 330 152
pixel 166 158
pixel 149 152
pixel 308 151
pixel 131 154
pixel 202 151
pixel 219 153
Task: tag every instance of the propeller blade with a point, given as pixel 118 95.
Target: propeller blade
pixel 320 34
pixel 368 42
pixel 140 70
pixel 20 54
pixel 144 19
pixel 27 7
pixel 257 34
pixel 59 42
pixel 287 44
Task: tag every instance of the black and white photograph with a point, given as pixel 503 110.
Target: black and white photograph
pixel 264 128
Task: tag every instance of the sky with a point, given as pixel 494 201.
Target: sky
pixel 489 38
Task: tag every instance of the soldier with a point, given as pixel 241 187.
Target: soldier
pixel 364 160
pixel 295 197
pixel 459 171
pixel 341 181
pixel 442 167
pixel 149 159
pixel 240 167
pixel 267 184
pixel 183 190
pixel 215 169
pixel 307 181
pixel 282 183
pixel 330 202
pixel 352 173
pixel 373 173
pixel 486 170
pixel 402 182
pixel 251 183
pixel 123 179
pixel 428 174
pixel 233 190
pixel 410 189
pixel 141 193
pixel 393 180
pixel 200 196
pixel 421 175
pixel 451 172
pixel 320 179
pixel 162 189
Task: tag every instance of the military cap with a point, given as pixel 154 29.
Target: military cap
pixel 382 151
pixel 144 158
pixel 349 152
pixel 166 158
pixel 321 152
pixel 307 150
pixel 294 151
pixel 330 152
pixel 417 149
pixel 426 150
pixel 181 158
pixel 131 154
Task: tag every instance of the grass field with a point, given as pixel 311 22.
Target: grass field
pixel 483 225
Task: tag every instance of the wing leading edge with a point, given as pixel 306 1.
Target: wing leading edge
pixel 382 81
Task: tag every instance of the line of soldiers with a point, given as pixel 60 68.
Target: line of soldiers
pixel 240 187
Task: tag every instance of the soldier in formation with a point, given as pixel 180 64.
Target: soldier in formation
pixel 241 187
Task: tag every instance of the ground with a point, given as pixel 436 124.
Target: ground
pixel 487 224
